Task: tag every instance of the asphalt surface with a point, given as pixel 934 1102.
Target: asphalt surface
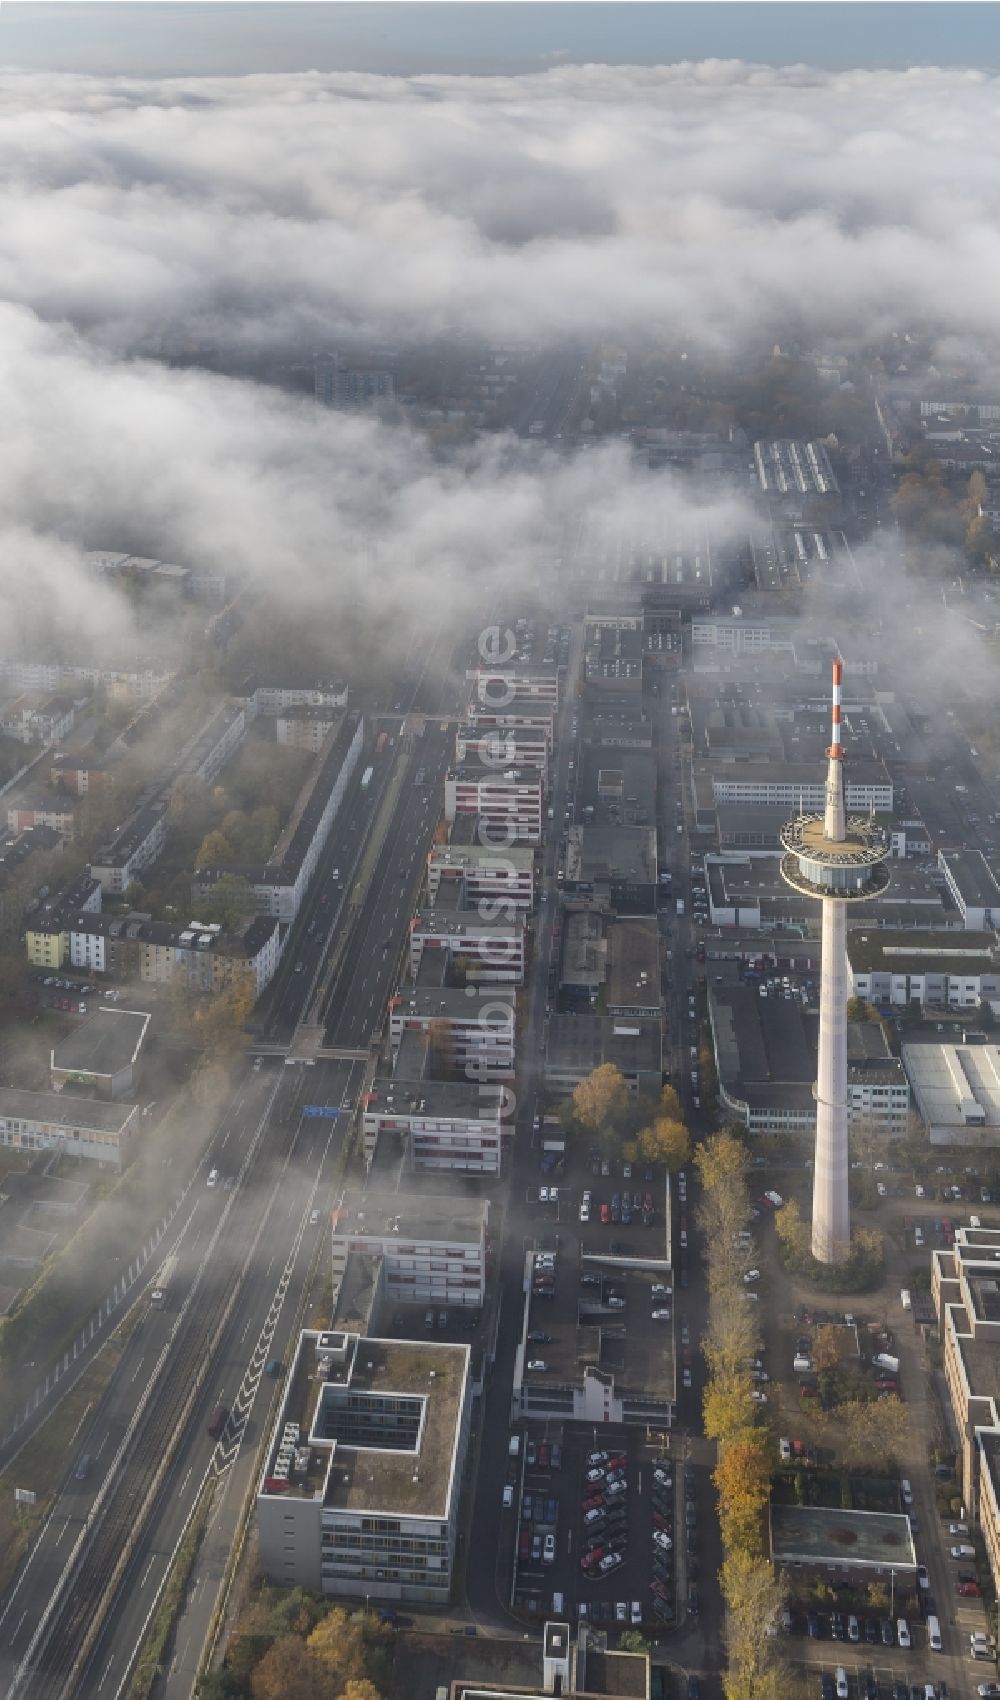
pixel 357 1001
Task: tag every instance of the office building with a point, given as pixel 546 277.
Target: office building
pixel 433 1249
pixel 360 1492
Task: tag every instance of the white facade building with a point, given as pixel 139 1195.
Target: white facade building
pixel 361 1487
pixel 508 802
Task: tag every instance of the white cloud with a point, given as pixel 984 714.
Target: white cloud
pixel 716 201
pixel 713 199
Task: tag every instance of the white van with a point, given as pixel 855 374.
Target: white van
pixel 557 1604
pixel 934 1634
pixel 213 1177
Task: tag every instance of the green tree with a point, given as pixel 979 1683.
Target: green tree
pixel 230 901
pixel 214 849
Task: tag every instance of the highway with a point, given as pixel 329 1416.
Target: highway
pixel 207 1347
pixel 247 1247
pixel 357 1000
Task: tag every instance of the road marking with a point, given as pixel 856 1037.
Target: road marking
pixel 62 1531
pixel 107 1670
pixel 137 1368
pixel 18 1629
pixel 148 1569
pixel 187 1478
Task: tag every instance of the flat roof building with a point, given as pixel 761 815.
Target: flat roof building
pixel 498 875
pixel 965 1284
pixel 441 1124
pixel 765 1058
pixel 474 1036
pixel 102 1053
pixel 953 969
pixel 956 1088
pixel 616 865
pixel 434 1249
pixel 506 801
pixel 868 1542
pixel 75 1127
pixel 492 950
pixel 360 1492
pixel 973 887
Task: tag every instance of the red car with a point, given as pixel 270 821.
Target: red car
pixel 594 1503
pixel 807 1390
pixel 524 1544
pixel 605 1213
pixel 591 1558
pixel 543 1455
pixel 970 1590
pixel 886 1385
pixel 647 1203
pixel 618 1462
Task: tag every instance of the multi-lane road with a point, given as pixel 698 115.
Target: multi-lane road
pixel 246 1249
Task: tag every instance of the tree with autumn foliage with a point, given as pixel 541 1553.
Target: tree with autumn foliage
pixel 753 1597
pixel 743 1482
pixel 338 1643
pixel 601 1103
pixel 360 1688
pixel 727 1408
pixel 667 1142
pixel 828 1348
pixel 288 1671
pixel 720 1158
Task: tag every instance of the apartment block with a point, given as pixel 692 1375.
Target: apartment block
pixel 491 951
pixel 493 750
pixel 453 1125
pixel 272 697
pixel 216 743
pixel 305 727
pixel 507 803
pixel 35 717
pixel 48 932
pixel 474 1036
pixel 280 886
pixel 475 874
pixel 433 1249
pixel 135 847
pixel 496 686
pixel 361 1486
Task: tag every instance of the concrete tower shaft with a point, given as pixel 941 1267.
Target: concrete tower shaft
pixel 831 1220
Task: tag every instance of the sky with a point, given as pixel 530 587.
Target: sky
pixel 178 40
pixel 713 203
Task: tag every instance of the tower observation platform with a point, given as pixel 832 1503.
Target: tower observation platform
pixel 850 869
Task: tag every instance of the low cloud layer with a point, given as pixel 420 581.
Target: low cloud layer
pixel 711 201
pixel 327 511
pixel 719 204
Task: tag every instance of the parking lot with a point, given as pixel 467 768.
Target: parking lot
pixel 612 1527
